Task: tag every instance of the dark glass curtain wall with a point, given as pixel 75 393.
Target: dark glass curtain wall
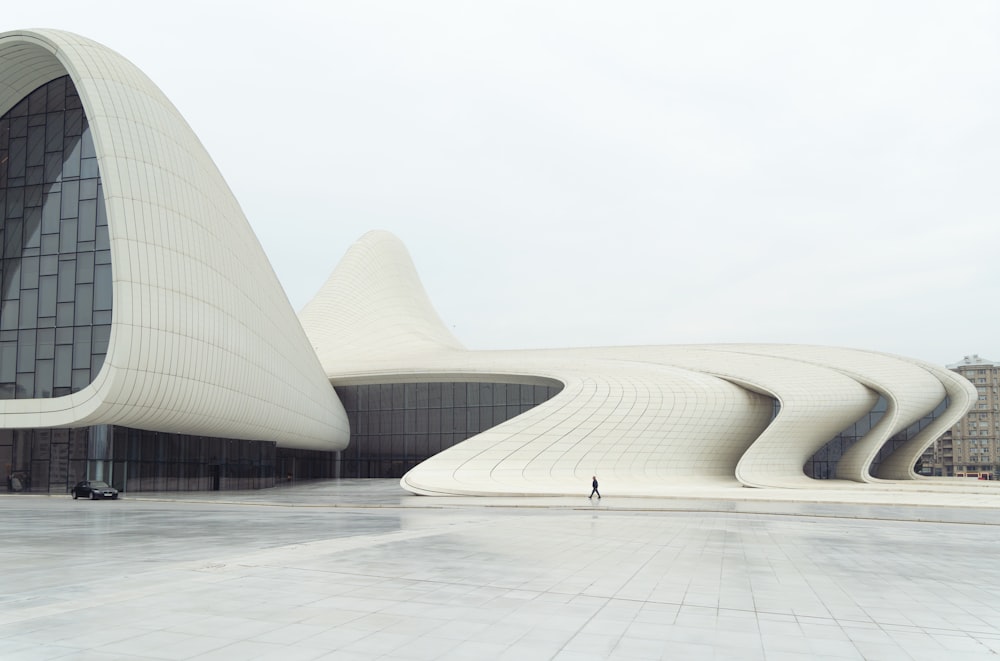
pixel 55 256
pixel 395 426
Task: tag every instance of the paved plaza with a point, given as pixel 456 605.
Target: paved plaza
pixel 362 570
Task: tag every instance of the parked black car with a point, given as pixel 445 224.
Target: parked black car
pixel 94 489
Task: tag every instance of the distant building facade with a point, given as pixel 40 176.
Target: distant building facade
pixel 971 448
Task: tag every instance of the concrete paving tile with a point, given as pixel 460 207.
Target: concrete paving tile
pixel 387 575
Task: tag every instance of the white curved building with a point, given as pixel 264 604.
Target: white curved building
pixel 135 293
pixel 144 339
pixel 642 418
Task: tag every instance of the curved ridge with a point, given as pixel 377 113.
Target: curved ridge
pixel 373 304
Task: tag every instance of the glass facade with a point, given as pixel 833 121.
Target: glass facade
pixel 53 460
pixel 55 264
pixel 395 426
pixel 823 464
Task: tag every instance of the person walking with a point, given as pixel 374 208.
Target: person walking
pixel 594 484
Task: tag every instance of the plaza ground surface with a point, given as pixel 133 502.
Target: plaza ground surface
pixel 362 570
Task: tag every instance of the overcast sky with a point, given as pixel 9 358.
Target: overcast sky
pixel 609 173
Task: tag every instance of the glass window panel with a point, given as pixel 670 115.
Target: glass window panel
pixel 447 420
pixel 85 267
pixel 15 205
pixel 56 93
pixel 25 385
pixel 43 378
pixel 81 378
pixel 12 238
pixel 45 342
pixel 53 168
pixel 32 197
pixel 459 419
pixel 64 314
pixel 32 229
pixel 74 124
pixel 50 244
pixel 11 281
pixel 347 394
pixel 81 348
pixel 102 242
pixel 88 168
pixel 499 414
pixel 8 314
pixel 87 144
pixel 67 235
pixel 88 191
pixel 54 131
pixel 26 351
pixel 20 110
pixel 47 296
pixel 36 101
pixel 29 309
pixel 102 216
pixel 64 335
pixel 8 361
pixel 36 145
pixel 87 228
pixel 67 281
pixel 29 272
pixel 71 160
pixel 101 337
pixel 34 175
pixel 16 153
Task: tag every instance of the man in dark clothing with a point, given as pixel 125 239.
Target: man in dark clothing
pixel 594 484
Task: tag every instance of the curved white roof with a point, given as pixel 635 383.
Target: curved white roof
pixel 203 339
pixel 642 418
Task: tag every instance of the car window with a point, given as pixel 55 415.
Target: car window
pixel 99 485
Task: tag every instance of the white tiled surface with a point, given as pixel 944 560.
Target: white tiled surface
pixel 360 571
pixel 203 338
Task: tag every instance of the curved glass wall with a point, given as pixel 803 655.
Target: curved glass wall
pixel 823 464
pixel 395 426
pixel 55 264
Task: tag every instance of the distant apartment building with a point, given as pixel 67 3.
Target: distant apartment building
pixel 972 447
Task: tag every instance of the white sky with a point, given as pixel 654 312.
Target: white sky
pixel 609 173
